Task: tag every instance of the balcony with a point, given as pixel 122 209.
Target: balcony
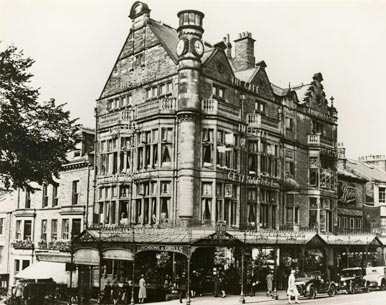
pixel 318 140
pixel 221 108
pixel 22 244
pixel 257 120
pixel 114 118
pixel 161 105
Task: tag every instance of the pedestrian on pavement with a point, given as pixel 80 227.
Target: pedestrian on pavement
pixel 115 293
pixel 292 291
pixel 182 285
pixel 142 289
pixel 216 282
pixel 269 279
pixel 107 293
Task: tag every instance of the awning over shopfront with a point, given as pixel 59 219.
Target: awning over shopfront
pixel 86 256
pixel 44 271
pixel 349 212
pixel 352 240
pixel 121 254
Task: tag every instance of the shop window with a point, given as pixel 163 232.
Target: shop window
pixel 382 198
pixel 43 235
pixel 54 229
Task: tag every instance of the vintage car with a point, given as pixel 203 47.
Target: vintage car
pixel 312 283
pixel 376 276
pixel 352 280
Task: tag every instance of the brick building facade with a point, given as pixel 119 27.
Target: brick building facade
pixel 190 133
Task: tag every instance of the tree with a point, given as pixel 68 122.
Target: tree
pixel 34 137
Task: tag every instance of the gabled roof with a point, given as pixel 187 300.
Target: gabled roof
pixel 167 36
pixel 247 75
pixel 348 174
pixel 279 91
pixel 366 171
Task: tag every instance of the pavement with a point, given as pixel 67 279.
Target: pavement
pixel 260 297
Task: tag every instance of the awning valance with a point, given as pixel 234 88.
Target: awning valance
pixel 86 256
pixel 121 254
pixel 45 270
pixel 349 212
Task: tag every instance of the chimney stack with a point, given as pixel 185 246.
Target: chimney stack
pixel 228 44
pixel 341 156
pixel 244 52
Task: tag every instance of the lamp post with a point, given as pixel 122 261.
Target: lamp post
pixel 133 273
pixel 242 296
pixel 274 295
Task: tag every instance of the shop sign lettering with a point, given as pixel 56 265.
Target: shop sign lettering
pixel 347 193
pixel 165 248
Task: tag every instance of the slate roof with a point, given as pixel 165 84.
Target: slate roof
pixel 349 174
pixel 247 75
pixel 371 173
pixel 167 36
pixel 279 91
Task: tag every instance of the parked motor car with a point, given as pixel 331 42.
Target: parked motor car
pixel 312 283
pixel 376 276
pixel 352 280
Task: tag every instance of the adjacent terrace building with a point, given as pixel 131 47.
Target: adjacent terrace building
pixel 190 133
pixel 44 221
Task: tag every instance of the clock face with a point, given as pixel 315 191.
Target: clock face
pixel 181 47
pixel 198 47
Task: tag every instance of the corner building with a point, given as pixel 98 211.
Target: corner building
pixel 191 134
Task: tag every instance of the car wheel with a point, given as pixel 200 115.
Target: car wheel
pixel 332 291
pixel 383 285
pixel 367 287
pixel 312 293
pixel 351 289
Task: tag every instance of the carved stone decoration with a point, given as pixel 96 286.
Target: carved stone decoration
pixel 86 238
pixel 186 116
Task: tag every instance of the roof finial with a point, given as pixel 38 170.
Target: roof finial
pixel 332 100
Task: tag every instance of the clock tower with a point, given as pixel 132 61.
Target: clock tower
pixel 190 49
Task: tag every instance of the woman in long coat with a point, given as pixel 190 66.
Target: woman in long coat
pixel 142 289
pixel 292 290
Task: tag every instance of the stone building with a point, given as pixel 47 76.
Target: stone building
pixel 190 133
pixel 6 207
pixel 375 198
pixel 43 222
pixel 351 197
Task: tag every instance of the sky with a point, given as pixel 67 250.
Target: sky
pixel 75 44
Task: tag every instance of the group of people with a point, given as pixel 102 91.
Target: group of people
pixel 120 293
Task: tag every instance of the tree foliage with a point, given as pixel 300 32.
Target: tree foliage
pixel 34 137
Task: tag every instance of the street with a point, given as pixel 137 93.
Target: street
pixel 372 298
